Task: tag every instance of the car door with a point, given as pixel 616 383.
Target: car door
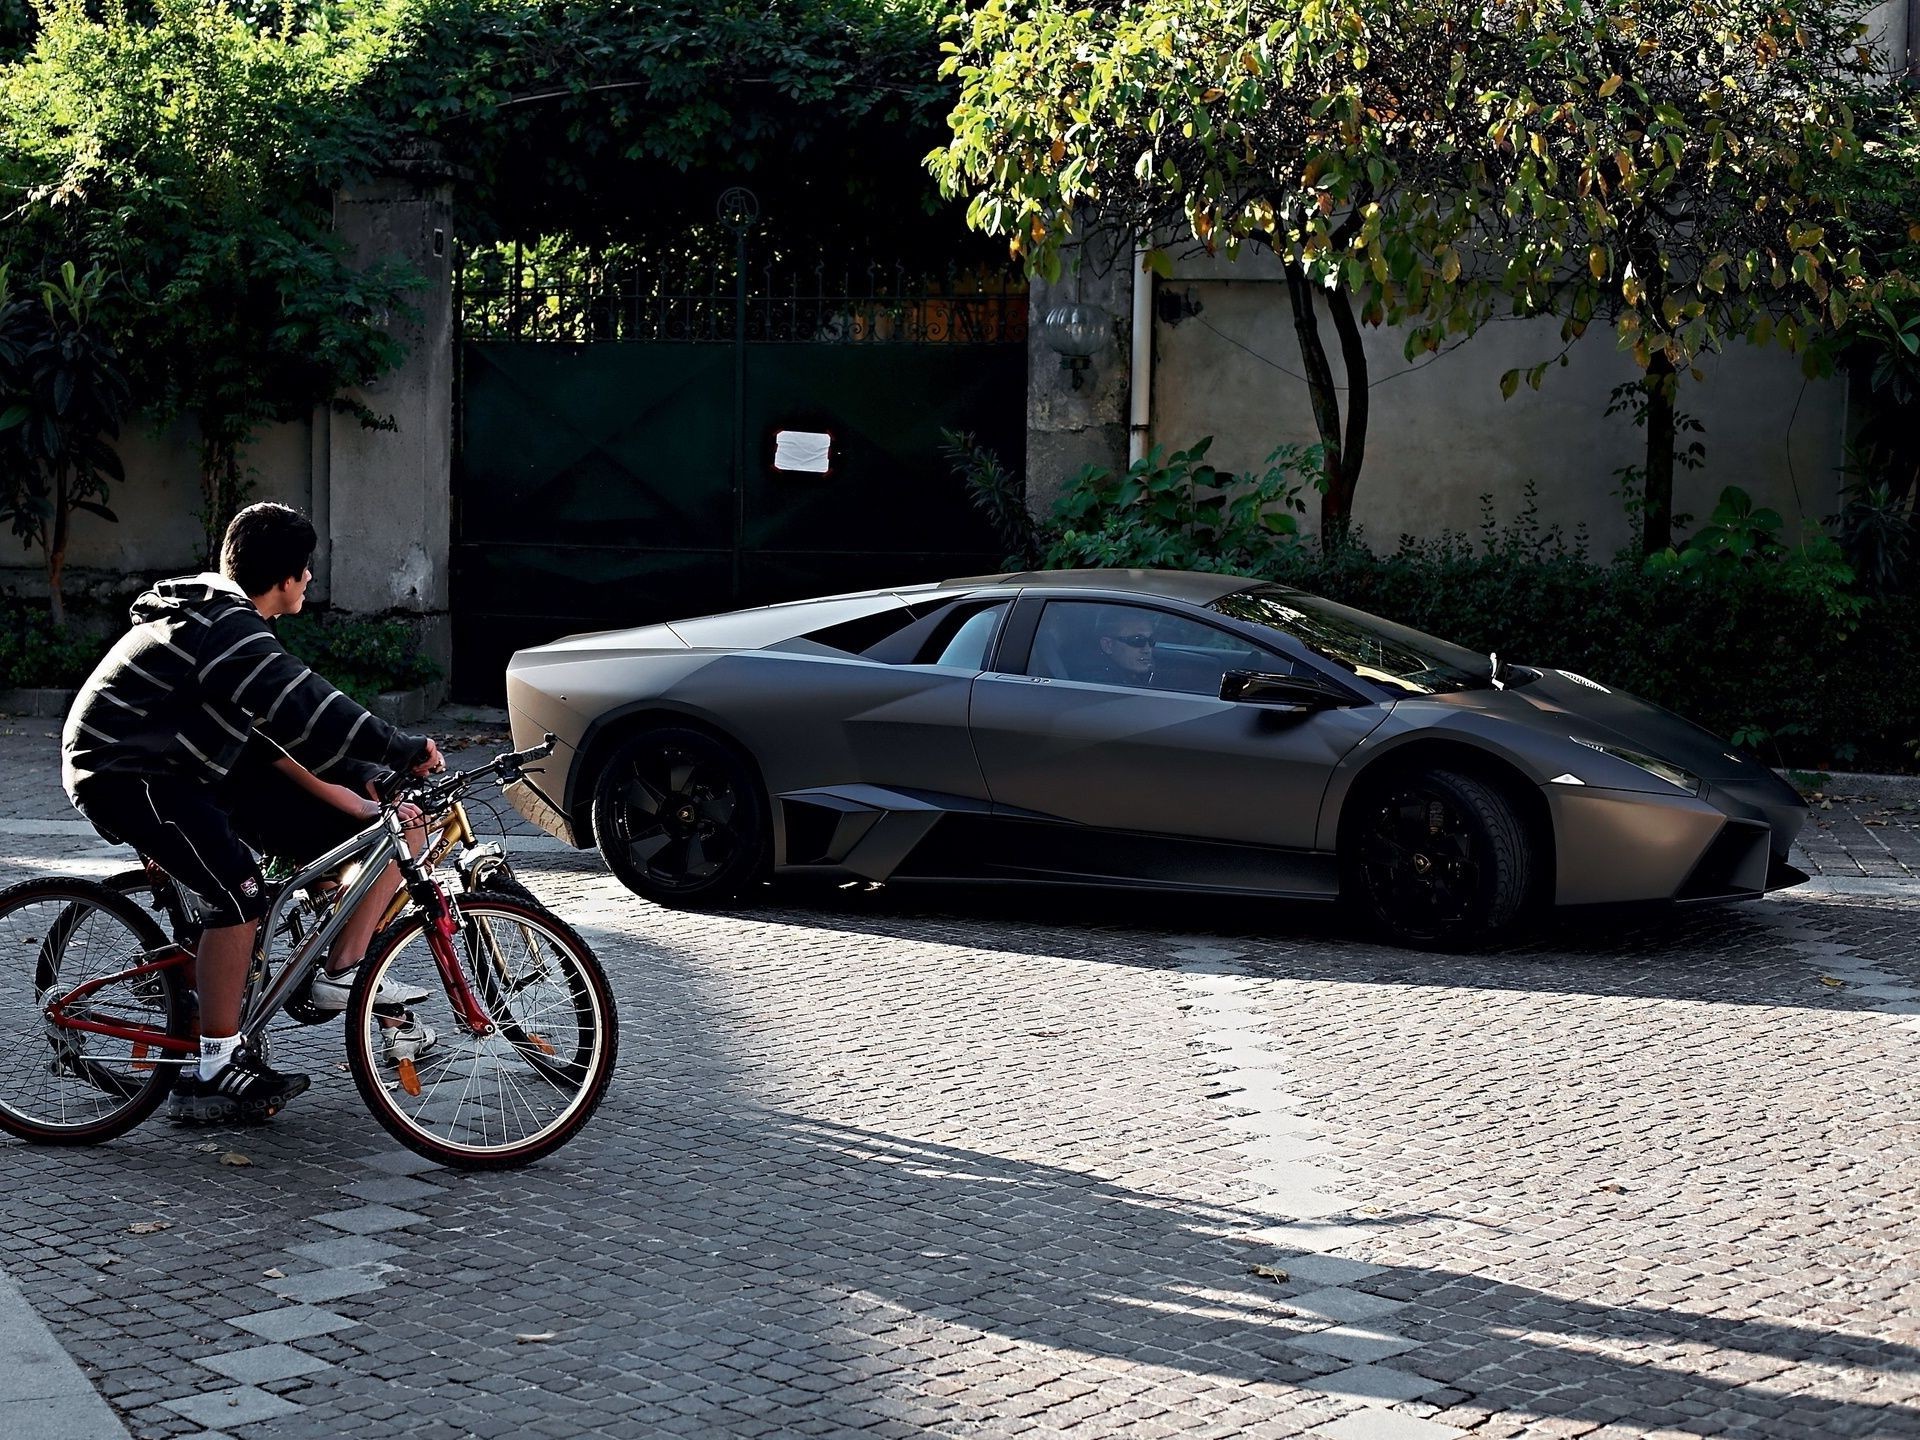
pixel 1078 738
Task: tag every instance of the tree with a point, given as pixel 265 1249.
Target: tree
pixel 1650 162
pixel 62 398
pixel 1680 171
pixel 190 158
pixel 619 122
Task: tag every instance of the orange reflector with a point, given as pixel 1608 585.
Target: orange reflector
pixel 409 1077
pixel 541 1044
pixel 140 1061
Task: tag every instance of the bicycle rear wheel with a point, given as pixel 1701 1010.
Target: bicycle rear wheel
pixel 61 1086
pixel 518 1091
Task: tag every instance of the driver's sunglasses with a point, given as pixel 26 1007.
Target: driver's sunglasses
pixel 1138 642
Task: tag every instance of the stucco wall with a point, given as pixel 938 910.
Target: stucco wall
pixel 1441 436
pixel 157 532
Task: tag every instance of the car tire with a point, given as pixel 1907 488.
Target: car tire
pixel 1437 860
pixel 681 820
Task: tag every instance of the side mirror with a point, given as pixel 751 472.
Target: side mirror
pixel 1286 694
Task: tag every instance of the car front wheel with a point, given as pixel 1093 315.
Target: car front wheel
pixel 1438 860
pixel 680 820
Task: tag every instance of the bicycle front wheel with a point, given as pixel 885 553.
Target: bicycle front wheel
pixel 523 1085
pixel 65 1086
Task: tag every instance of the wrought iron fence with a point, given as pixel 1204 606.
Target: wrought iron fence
pixel 573 298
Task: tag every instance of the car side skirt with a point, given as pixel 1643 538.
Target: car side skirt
pixel 880 834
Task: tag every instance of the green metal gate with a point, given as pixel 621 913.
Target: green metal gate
pixel 602 484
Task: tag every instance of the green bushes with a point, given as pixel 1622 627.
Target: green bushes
pixel 36 652
pixel 361 657
pixel 1743 652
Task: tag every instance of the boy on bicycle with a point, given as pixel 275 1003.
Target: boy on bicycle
pixel 167 749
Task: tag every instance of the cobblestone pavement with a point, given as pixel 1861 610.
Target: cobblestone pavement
pixel 897 1163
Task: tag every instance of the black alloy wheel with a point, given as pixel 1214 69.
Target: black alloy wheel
pixel 680 819
pixel 1438 860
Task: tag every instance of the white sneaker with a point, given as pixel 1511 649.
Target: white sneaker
pixel 408 1040
pixel 329 992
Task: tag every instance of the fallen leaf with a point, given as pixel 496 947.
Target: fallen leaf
pixel 533 1338
pixel 234 1157
pixel 274 1274
pixel 1830 980
pixel 1269 1272
pixel 149 1227
pixel 1880 823
pixel 207 1147
pixel 105 1260
pixel 1612 1187
pixel 1826 804
pixel 1046 1034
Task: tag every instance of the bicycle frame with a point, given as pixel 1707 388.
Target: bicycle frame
pixel 456 831
pixel 373 848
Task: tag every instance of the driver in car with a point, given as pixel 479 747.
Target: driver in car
pixel 1126 647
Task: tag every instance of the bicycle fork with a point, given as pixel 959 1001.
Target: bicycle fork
pixel 442 924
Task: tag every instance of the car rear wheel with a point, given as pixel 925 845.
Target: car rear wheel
pixel 1437 860
pixel 680 819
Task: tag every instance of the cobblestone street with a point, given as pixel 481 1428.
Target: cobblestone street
pixel 967 1163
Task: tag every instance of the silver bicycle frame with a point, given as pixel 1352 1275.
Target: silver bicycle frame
pixel 375 847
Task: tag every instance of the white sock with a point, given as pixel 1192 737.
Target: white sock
pixel 216 1053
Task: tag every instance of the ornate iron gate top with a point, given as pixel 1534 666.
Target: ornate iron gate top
pixel 577 297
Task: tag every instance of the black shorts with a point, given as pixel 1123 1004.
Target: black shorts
pixel 205 836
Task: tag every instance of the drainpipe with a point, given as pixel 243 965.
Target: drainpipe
pixel 1140 415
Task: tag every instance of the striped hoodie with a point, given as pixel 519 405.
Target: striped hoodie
pixel 199 672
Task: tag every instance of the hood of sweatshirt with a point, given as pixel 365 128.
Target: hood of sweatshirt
pixel 209 593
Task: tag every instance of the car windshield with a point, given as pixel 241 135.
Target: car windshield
pixel 1375 649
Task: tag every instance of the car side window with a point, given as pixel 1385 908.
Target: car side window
pixel 966 648
pixel 1106 643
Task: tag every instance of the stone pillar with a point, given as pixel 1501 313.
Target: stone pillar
pixel 385 514
pixel 1069 428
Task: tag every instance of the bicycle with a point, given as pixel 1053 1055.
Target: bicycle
pixel 528 1032
pixel 478 865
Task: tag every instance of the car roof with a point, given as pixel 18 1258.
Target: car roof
pixel 1196 587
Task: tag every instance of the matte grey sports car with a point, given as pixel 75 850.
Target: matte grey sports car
pixel 1135 728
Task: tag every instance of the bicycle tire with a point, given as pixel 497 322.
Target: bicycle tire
pixel 111 933
pixel 480 1127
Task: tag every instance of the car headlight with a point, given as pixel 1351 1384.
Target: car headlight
pixel 1652 764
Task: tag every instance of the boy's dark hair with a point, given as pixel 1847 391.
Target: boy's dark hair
pixel 265 544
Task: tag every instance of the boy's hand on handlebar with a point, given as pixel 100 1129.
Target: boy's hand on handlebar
pixel 433 762
pixel 410 815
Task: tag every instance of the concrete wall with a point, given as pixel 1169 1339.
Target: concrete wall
pixel 158 531
pixel 1441 435
pixel 1068 428
pixel 388 498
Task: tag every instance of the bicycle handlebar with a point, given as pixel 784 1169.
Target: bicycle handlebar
pixel 433 793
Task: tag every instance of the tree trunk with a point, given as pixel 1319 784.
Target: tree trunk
pixel 222 488
pixel 1354 357
pixel 1336 501
pixel 57 553
pixel 1657 515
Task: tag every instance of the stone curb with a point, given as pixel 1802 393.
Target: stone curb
pixel 42 1391
pixel 45 704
